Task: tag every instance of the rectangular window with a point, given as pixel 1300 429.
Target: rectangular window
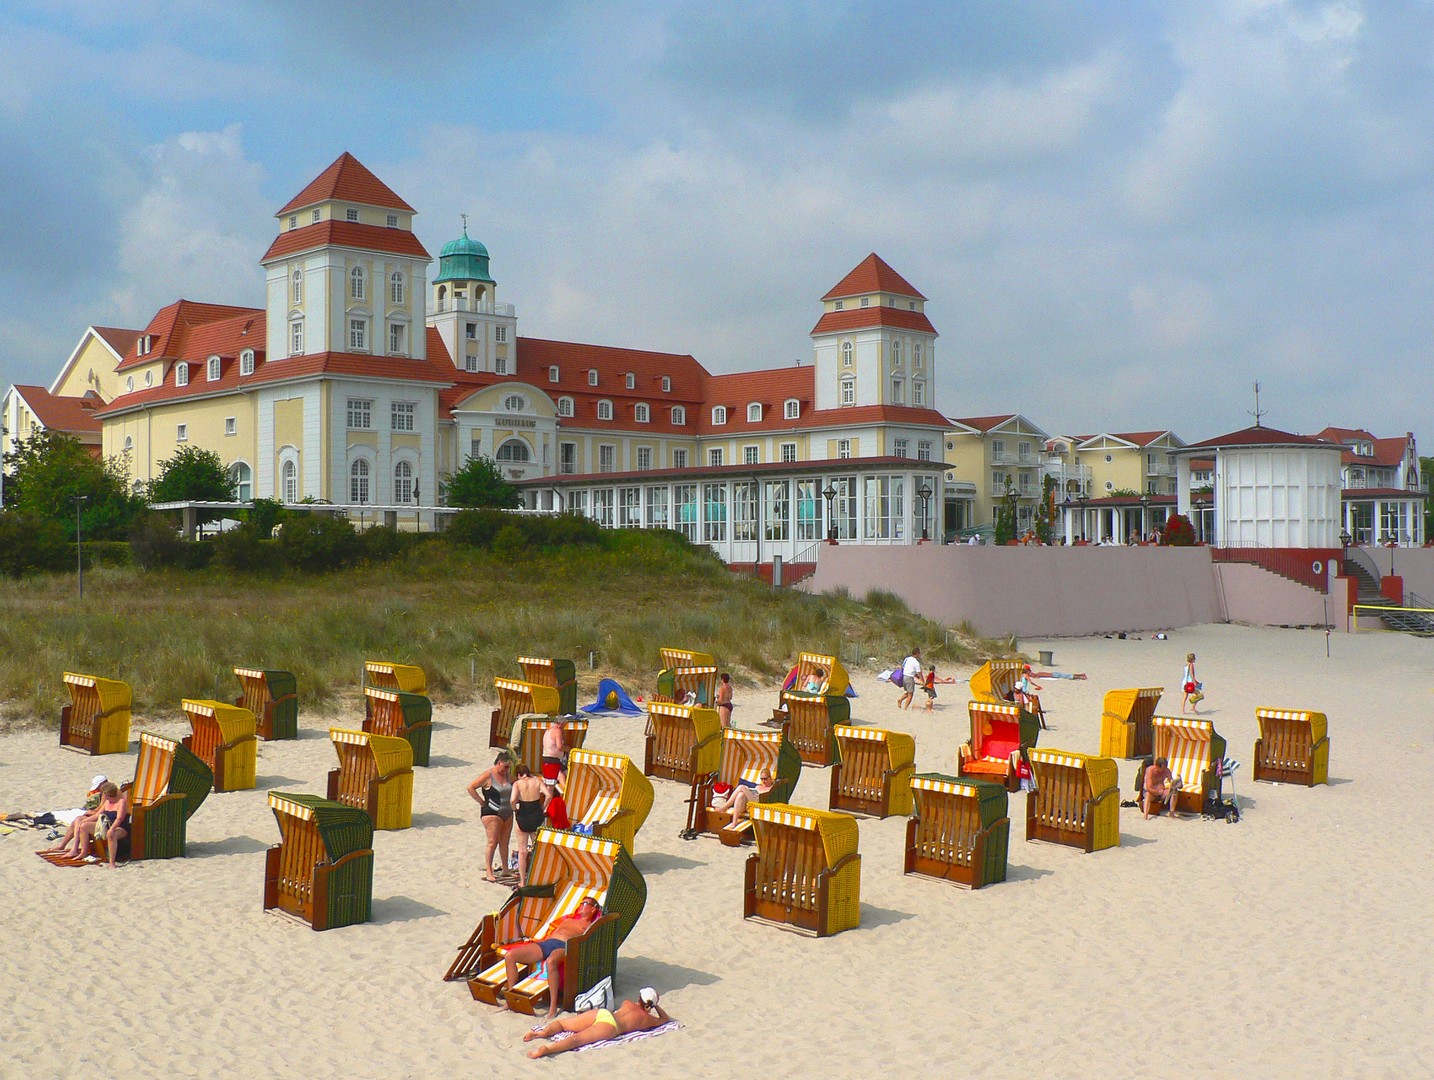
pixel 789 451
pixel 751 455
pixel 393 221
pixel 923 451
pixel 296 338
pixel 360 413
pixel 714 456
pixel 396 339
pixel 602 507
pixel 998 449
pixel 684 510
pixel 1023 451
pixel 402 415
pixel 777 509
pixel 607 458
pixel 667 384
pixel 470 331
pixel 844 516
pixel 902 447
pixel 644 457
pixel 744 510
pixel 884 507
pixel 896 396
pixel 809 510
pixel 918 393
pixel 349 215
pixel 843 448
pixel 848 392
pixel 293 221
pixel 865 301
pixel 568 458
pixel 657 508
pixel 500 334
pixel 629 508
pixel 714 513
pixel 500 365
pixel 838 305
pixel 470 362
pixel 998 483
pixel 592 376
pixel 578 502
pixel 793 409
pixel 181 374
pixel 181 433
pixel 552 373
pixel 315 218
pixel 475 448
pixel 358 335
pixel 231 425
pixel 679 459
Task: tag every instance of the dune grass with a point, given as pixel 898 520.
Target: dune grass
pixel 462 615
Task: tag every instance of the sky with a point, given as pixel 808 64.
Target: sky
pixel 1122 214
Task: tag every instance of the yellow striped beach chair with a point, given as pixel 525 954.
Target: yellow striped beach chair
pixel 402 714
pixel 686 672
pixel 1125 721
pixel 683 741
pixel 1194 749
pixel 169 784
pixel 959 830
pixel 1076 801
pixel 1293 747
pixel 742 757
pixel 224 739
pixel 561 675
pixel 406 677
pixel 994 682
pixel 873 770
pixel 806 872
pixel 518 698
pixel 526 742
pixel 97 719
pixel 608 795
pixel 375 774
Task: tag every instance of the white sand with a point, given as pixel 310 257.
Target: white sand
pixel 1295 942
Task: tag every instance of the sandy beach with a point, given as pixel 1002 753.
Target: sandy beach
pixel 1292 943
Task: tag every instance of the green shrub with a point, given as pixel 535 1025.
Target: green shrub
pixel 246 550
pixel 382 544
pixel 262 516
pixel 510 542
pixel 316 543
pixel 155 542
pixel 475 528
pixel 105 553
pixel 29 542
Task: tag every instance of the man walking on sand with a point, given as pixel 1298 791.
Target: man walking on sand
pixel 910 673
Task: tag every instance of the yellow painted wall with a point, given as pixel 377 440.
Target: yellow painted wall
pixel 403 440
pixel 94 357
pixel 1125 470
pixel 289 423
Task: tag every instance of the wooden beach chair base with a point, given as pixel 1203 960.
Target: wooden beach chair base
pixel 738 834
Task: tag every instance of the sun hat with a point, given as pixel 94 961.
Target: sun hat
pixel 648 996
pixel 100 778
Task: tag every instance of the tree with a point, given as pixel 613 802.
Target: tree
pixel 480 483
pixel 51 468
pixel 192 474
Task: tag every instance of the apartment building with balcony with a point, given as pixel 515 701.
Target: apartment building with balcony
pixel 1000 457
pixel 1382 489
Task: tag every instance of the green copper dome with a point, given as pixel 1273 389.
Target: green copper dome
pixel 464 259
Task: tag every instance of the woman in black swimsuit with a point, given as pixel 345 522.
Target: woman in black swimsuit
pixel 530 800
pixel 491 789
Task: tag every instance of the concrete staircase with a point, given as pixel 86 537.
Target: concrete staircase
pixel 1408 622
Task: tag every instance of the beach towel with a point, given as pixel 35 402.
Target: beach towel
pixel 631 1036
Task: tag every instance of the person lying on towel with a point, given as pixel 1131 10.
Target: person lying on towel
pixel 599 1025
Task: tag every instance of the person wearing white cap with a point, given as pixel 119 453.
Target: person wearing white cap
pixel 599 1025
pixel 84 821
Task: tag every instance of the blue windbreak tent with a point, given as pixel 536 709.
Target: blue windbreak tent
pixel 612 700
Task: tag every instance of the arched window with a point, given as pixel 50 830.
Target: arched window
pixel 719 414
pixel 515 450
pixel 181 374
pixel 631 381
pixel 395 288
pixel 792 408
pixel 604 410
pixel 565 406
pixel 358 481
pixel 443 298
pixel 129 383
pixel 290 481
pixel 298 287
pixel 640 413
pixel 846 354
pixel 246 362
pixel 916 355
pixel 514 403
pixel 356 283
pixel 128 443
pixel 403 483
pixel 213 369
pixel 242 478
pixel 754 413
pixel 896 354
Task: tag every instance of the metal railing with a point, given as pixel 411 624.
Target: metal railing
pixel 1361 558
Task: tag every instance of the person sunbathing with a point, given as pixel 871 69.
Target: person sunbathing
pixel 552 950
pixel 599 1025
pixel 1160 785
pixel 745 794
pixel 84 824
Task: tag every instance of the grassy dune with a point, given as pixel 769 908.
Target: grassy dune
pixel 462 615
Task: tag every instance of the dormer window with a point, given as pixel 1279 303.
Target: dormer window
pixel 792 409
pixel 393 221
pixel 181 374
pixel 640 413
pixel 351 214
pixel 679 416
pixel 604 410
pixel 592 376
pixel 837 306
pixel 246 362
pixel 293 221
pixel 212 374
pixel 754 413
pixel 719 414
pixel 631 381
pixel 667 384
pixel 316 217
pixel 911 305
pixel 565 406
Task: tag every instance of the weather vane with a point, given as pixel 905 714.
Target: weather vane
pixel 1259 412
pixel 465 223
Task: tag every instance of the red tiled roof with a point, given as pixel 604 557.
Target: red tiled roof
pixel 172 325
pixel 1258 436
pixel 347 179
pixel 75 415
pixel 1140 438
pixel 872 414
pixel 349 234
pixel 872 275
pixel 770 389
pixel 861 318
pixel 1388 453
pixel 1200 463
pixel 120 340
pixel 699 471
pixel 984 423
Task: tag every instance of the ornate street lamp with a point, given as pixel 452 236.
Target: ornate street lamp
pixel 1344 541
pixel 1391 541
pixel 1082 498
pixel 924 492
pixel 830 495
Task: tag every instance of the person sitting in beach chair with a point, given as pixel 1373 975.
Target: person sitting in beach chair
pixel 551 950
pixel 599 1025
pixel 744 794
pixel 1159 787
pixel 69 845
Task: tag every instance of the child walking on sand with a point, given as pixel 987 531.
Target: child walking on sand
pixel 1194 689
pixel 928 685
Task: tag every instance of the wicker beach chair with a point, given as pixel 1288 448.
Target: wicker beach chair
pixel 810 721
pixel 872 772
pixel 517 698
pixel 1125 721
pixel 169 784
pixel 686 672
pixel 97 719
pixel 565 868
pixel 607 795
pixel 560 675
pixel 223 738
pixel 406 677
pixel 321 871
pixel 828 670
pixel 959 832
pixel 683 741
pixel 272 696
pixel 526 742
pixel 1195 750
pixel 1000 735
pixel 1293 747
pixel 402 714
pixel 375 775
pixel 806 872
pixel 994 682
pixel 1076 801
pixel 743 756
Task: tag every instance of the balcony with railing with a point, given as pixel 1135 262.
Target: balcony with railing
pixel 477 307
pixel 1021 461
pixel 1160 467
pixel 1068 477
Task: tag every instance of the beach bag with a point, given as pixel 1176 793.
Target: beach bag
pixel 896 677
pixel 1190 688
pixel 598 997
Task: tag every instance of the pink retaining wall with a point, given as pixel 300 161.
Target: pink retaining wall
pixel 1064 592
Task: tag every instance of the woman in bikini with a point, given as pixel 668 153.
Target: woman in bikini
pixel 114 821
pixel 724 700
pixel 530 800
pixel 599 1025
pixel 492 789
pixel 552 950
